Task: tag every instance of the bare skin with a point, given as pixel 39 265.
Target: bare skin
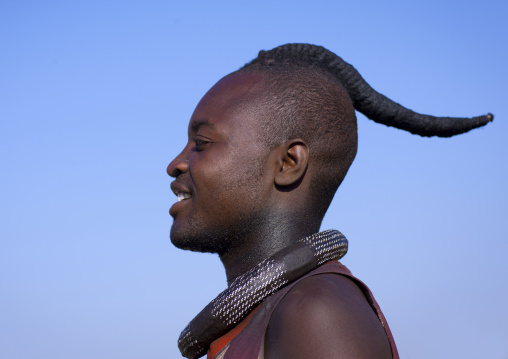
pixel 325 316
pixel 246 202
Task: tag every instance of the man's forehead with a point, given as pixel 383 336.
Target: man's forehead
pixel 235 87
pixel 235 95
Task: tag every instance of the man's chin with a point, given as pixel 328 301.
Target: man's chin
pixel 193 242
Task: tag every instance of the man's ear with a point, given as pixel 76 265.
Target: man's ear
pixel 293 159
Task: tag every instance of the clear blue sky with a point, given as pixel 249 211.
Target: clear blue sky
pixel 95 97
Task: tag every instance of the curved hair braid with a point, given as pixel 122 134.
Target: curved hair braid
pixel 365 99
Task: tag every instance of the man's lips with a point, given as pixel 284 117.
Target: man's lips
pixel 179 188
pixel 183 193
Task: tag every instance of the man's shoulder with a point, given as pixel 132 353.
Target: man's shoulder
pixel 325 316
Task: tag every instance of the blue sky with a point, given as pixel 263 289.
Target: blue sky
pixel 94 102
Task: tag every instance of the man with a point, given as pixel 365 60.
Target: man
pixel 268 147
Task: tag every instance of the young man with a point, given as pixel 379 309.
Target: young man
pixel 268 147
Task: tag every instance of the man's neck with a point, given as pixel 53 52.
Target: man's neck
pixel 264 244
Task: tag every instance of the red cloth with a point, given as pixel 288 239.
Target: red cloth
pixel 221 342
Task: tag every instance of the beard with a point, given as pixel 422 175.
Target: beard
pixel 194 235
pixel 187 238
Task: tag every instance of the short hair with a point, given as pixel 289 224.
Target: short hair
pixel 310 104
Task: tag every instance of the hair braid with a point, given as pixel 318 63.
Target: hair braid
pixel 365 99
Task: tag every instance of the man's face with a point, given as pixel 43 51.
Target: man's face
pixel 221 177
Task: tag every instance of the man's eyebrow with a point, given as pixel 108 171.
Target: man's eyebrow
pixel 197 124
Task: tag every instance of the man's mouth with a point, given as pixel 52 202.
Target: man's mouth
pixel 182 195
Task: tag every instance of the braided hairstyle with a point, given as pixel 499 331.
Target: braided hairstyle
pixel 312 93
pixel 365 99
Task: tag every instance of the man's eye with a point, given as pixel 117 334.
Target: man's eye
pixel 200 144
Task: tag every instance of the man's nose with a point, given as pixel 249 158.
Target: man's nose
pixel 179 165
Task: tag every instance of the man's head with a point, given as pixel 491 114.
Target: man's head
pixel 261 145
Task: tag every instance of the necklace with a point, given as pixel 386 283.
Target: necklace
pixel 249 289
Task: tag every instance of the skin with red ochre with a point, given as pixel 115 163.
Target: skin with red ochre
pixel 248 201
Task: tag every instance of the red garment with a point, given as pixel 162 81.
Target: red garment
pixel 246 340
pixel 221 342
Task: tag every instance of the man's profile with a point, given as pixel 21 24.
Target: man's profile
pixel 268 146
